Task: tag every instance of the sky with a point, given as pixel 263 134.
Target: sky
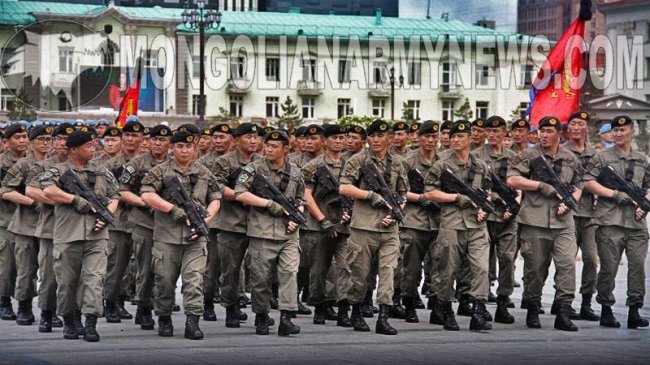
pixel 504 12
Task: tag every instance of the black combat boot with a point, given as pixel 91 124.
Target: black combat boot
pixel 6 309
pixel 273 301
pixel 208 312
pixel 192 330
pixel 634 319
pixel 436 316
pixel 176 308
pixel 411 315
pixel 287 327
pixel 464 306
pixel 232 319
pixel 330 313
pixel 302 309
pixel 396 310
pixel 586 313
pixel 319 313
pixel 45 325
pixel 491 297
pixel 501 315
pixel 69 327
pixel 555 310
pixel 342 319
pixel 138 315
pixel 448 317
pixel 77 321
pixel 418 302
pixel 121 310
pixel 262 324
pixel 532 317
pixel 607 318
pixel 358 323
pixel 90 330
pixel 56 321
pixel 382 326
pixel 110 310
pixel 524 305
pixel 562 320
pixel 241 315
pixel 478 322
pixel 147 322
pixel 367 309
pixel 24 317
pixel 165 326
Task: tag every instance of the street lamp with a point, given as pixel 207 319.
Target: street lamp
pixel 392 91
pixel 198 19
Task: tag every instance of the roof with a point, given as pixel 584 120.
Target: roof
pixel 253 23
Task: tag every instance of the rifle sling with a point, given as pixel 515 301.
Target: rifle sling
pixel 629 173
pixel 286 174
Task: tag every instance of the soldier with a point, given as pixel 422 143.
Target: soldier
pixel 445 142
pixel 547 228
pixel 120 246
pixel 414 136
pixel 520 129
pixel 502 227
pixel 400 139
pixel 23 222
pixel 80 240
pixel 232 223
pixel 274 244
pixel 621 223
pixel 205 141
pixel 373 230
pixel 142 217
pixel 178 249
pixel 533 136
pixel 220 141
pixel 45 231
pixel 16 144
pixel 462 233
pixel 478 133
pixel 420 229
pixel 194 130
pixel 356 140
pixel 112 146
pixel 578 132
pixel 102 125
pixel 327 232
pixel 606 137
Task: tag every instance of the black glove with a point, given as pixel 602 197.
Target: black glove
pixel 178 214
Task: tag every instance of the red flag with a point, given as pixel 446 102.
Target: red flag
pixel 556 90
pixel 129 105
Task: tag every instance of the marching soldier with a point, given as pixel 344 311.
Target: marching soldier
pixel 274 244
pixel 621 222
pixel 80 240
pixel 445 142
pixel 112 146
pixel 414 136
pixel 519 130
pixel 547 228
pixel 178 249
pixel 205 142
pixel 373 229
pixel 356 140
pixel 400 139
pixel 478 133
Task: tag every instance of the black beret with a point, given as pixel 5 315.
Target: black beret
pixel 332 130
pixel 313 130
pixel 520 123
pixel 479 122
pixel 133 126
pixel 460 126
pixel 13 129
pixel 399 126
pixel 300 131
pixel 88 129
pixel 39 131
pixel 446 125
pixel 78 138
pixel 579 115
pixel 267 130
pixel 146 131
pixel 188 127
pixel 221 128
pixel 620 121
pixel 415 126
pixel 63 128
pixel 277 135
pixel 550 122
pixel 378 125
pixel 428 127
pixel 160 130
pixel 113 132
pixel 182 137
pixel 357 130
pixel 496 121
pixel 292 131
pixel 245 128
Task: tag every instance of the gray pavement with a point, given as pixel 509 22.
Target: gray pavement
pixel 422 343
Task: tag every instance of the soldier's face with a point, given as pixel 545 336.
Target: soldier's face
pixel 623 135
pixel 112 145
pixel 159 145
pixel 379 141
pixel 355 142
pixel 549 136
pixel 400 138
pixel 415 139
pixel 85 152
pixel 18 143
pixel 301 143
pixel 221 142
pixel 520 135
pixel 478 136
pixel 42 144
pixel 336 143
pixel 183 152
pixel 444 138
pixel 145 145
pixel 460 141
pixel 101 129
pixel 429 141
pixel 248 142
pixel 276 150
pixel 495 136
pixel 313 143
pixel 205 143
pixel 59 144
pixel 577 129
pixel 131 141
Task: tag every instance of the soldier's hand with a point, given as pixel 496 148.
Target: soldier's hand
pixel 621 198
pixel 292 227
pixel 388 221
pixel 194 234
pixel 507 215
pixel 276 209
pixel 640 213
pixel 463 201
pixel 328 228
pixel 481 215
pixel 99 225
pixel 81 205
pixel 178 214
pixel 345 217
pixel 562 209
pixel 547 190
pixel 377 201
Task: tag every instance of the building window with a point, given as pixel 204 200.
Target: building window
pixel 447 110
pixel 237 67
pixel 236 106
pixel 196 66
pixel 414 73
pixel 647 61
pixel 308 107
pixel 272 106
pixel 523 106
pixel 344 71
pixel 378 107
pixel 482 73
pixel 344 107
pixel 64 104
pixel 273 69
pixel 526 77
pixel 308 69
pixel 414 107
pixel 448 76
pixel 150 58
pixel 195 104
pixel 7 99
pixel 65 59
pixel 379 76
pixel 482 109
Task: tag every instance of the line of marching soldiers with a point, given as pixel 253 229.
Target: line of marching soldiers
pixel 322 210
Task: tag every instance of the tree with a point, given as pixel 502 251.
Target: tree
pixel 464 111
pixel 362 120
pixel 290 117
pixel 224 116
pixel 407 112
pixel 22 108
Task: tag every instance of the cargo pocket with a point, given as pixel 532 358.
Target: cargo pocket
pixel 354 250
pixel 156 259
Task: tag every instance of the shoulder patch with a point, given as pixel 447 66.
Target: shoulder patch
pixel 245 173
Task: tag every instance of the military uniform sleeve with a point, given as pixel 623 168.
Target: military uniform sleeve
pixel 351 172
pixel 300 188
pixel 221 173
pixel 646 175
pixel 127 180
pixel 593 169
pixel 520 168
pixel 13 179
pixel 34 173
pixel 49 177
pixel 214 190
pixel 578 174
pixel 486 180
pixel 112 186
pixel 308 175
pixel 152 181
pixel 245 179
pixel 402 186
pixel 432 178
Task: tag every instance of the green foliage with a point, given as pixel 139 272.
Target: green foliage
pixel 464 111
pixel 362 120
pixel 22 108
pixel 290 117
